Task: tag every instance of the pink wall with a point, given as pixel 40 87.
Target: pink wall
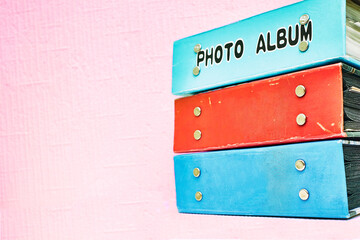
pixel 86 122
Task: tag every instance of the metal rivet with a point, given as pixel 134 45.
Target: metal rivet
pixel 197 134
pixel 303 46
pixel 301 119
pixel 304 194
pixel 304 19
pixel 196 71
pixel 196 172
pixel 197 111
pixel 198 196
pixel 300 91
pixel 197 48
pixel 300 165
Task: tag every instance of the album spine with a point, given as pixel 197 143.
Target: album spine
pixel 299 36
pixel 295 107
pixel 294 180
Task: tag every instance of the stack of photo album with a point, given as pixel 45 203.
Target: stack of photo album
pixel 268 118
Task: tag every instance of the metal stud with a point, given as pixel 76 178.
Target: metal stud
pixel 304 194
pixel 196 70
pixel 198 196
pixel 197 134
pixel 197 48
pixel 197 111
pixel 196 172
pixel 300 165
pixel 300 91
pixel 304 19
pixel 301 119
pixel 303 46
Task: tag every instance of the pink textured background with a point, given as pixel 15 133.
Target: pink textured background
pixel 86 122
